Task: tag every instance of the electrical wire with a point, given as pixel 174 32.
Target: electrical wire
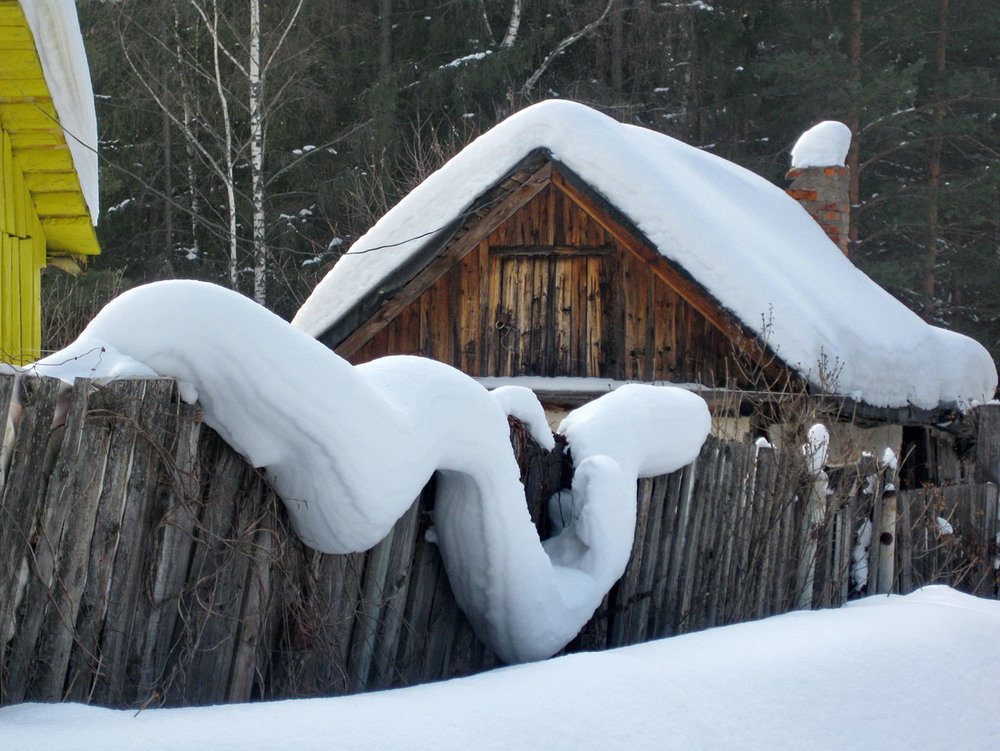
pixel 222 232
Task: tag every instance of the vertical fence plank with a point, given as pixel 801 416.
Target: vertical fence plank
pixel 905 545
pixel 673 486
pixel 419 600
pixel 256 623
pixel 171 549
pixel 399 576
pixel 719 532
pixel 20 505
pixel 694 553
pixel 121 408
pixel 887 543
pixel 83 456
pixel 667 623
pixel 366 618
pixel 739 594
pixel 6 425
pixel 623 599
pixel 873 493
pixel 647 585
pixel 56 507
pixel 767 529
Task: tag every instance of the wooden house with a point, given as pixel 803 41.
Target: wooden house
pixel 546 280
pixel 569 253
pixel 48 162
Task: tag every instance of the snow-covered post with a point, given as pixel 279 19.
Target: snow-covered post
pixel 821 182
pixel 816 449
pixel 887 537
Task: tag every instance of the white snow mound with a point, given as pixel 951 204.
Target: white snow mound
pixel 349 448
pixel 816 448
pixel 806 679
pixel 521 402
pixel 823 145
pixel 746 242
pixel 56 28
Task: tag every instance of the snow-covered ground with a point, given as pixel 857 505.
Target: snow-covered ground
pixel 915 672
pixel 349 448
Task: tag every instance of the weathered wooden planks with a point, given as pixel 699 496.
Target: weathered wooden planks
pixel 20 508
pixel 146 564
pixel 963 557
pixel 551 291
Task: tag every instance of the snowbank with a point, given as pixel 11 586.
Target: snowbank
pixel 56 28
pixel 742 239
pixel 823 145
pixel 915 672
pixel 348 449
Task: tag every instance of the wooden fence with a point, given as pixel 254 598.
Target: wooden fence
pixel 144 563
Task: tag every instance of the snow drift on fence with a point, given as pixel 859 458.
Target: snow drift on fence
pixel 349 448
pixel 56 29
pixel 887 672
pixel 747 243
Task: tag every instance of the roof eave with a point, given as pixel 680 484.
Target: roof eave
pixel 403 274
pixel 38 144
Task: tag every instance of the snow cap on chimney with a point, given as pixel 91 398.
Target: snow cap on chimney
pixel 821 182
pixel 823 145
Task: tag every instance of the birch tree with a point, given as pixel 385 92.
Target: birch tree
pixel 256 91
pixel 213 96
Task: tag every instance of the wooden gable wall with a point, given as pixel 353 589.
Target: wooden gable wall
pixel 551 292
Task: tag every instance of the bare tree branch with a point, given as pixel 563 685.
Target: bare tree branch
pixel 213 29
pixel 284 35
pixel 563 46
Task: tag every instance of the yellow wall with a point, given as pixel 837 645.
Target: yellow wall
pixel 43 216
pixel 22 255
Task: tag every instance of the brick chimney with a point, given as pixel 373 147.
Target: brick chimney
pixel 821 182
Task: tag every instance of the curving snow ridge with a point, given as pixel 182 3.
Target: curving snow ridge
pixel 56 28
pixel 824 145
pixel 349 448
pixel 521 402
pixel 744 240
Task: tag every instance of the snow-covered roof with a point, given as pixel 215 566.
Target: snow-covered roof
pixel 56 29
pixel 747 243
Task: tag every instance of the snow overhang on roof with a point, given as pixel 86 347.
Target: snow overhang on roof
pixel 47 108
pixel 743 240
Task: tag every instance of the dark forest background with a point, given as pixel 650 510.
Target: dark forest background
pixel 360 100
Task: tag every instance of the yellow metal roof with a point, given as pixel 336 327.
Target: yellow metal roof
pixel 39 144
